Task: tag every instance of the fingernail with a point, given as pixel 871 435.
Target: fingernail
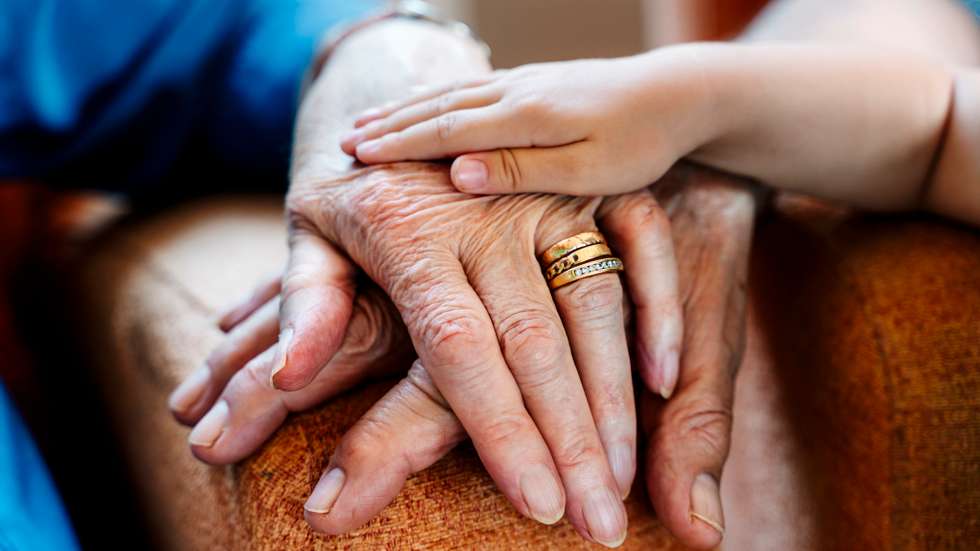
pixel 605 517
pixel 706 502
pixel 351 139
pixel 368 148
pixel 470 175
pixel 369 114
pixel 622 462
pixel 326 491
pixel 542 494
pixel 210 427
pixel 282 349
pixel 670 364
pixel 189 391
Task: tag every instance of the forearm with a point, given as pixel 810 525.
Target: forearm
pixel 940 29
pixel 954 186
pixel 851 125
pixel 377 64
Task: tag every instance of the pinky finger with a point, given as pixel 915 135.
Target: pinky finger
pixel 640 231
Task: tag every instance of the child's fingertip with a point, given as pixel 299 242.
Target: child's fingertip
pixel 365 150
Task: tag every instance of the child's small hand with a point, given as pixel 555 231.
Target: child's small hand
pixel 590 127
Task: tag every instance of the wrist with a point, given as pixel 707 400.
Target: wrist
pixel 386 58
pixel 415 12
pixel 691 81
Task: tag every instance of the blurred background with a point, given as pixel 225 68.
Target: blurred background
pixel 548 30
pixel 545 30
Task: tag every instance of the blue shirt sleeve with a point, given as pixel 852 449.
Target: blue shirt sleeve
pixel 31 514
pixel 120 93
pixel 973 6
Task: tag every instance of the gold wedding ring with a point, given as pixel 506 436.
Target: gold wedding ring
pixel 589 269
pixel 578 257
pixel 585 254
pixel 571 244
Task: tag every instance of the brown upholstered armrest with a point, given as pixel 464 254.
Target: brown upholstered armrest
pixel 873 325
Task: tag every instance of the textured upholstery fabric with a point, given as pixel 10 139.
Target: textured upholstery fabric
pixel 875 324
pixel 856 418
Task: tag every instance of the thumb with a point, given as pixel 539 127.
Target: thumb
pixel 316 303
pixel 406 431
pixel 687 449
pixel 569 170
pixel 690 434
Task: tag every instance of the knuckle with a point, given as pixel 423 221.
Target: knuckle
pixel 510 174
pixel 412 406
pixel 644 212
pixel 705 424
pixel 442 103
pixel 532 107
pixel 445 125
pixel 540 120
pixel 504 430
pixel 452 334
pixel 578 451
pixel 532 342
pixel 430 435
pixel 367 441
pixel 594 301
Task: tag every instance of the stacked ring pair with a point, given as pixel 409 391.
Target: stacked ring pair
pixel 578 257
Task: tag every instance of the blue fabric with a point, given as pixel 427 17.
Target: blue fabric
pixel 115 93
pixel 974 6
pixel 31 515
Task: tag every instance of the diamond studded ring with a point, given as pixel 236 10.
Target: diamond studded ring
pixel 588 269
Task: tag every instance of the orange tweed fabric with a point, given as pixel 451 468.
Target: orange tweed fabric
pixel 875 327
pixel 872 326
